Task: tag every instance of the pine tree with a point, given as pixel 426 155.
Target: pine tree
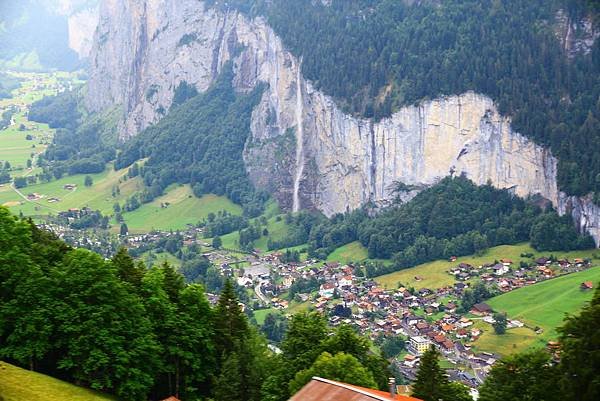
pixel 231 325
pixel 580 354
pixel 431 383
pixel 127 270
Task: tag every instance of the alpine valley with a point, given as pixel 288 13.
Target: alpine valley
pixel 271 200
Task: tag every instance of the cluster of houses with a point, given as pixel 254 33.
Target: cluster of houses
pixel 425 317
pixel 507 278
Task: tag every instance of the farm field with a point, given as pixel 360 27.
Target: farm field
pixel 14 145
pixel 352 252
pixel 97 197
pixel 546 304
pixel 18 384
pixel 434 274
pixel 277 229
pixel 183 208
pixel 513 341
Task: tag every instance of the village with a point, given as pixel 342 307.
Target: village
pixel 424 317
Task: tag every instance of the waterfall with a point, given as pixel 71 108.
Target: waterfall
pixel 299 140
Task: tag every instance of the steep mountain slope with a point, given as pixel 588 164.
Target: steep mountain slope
pixel 339 161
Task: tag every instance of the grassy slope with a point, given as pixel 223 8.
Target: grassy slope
pixel 22 385
pixel 184 208
pixel 546 304
pixel 13 145
pixel 434 274
pixel 352 252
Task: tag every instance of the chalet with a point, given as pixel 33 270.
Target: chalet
pixel 506 262
pixel 481 309
pixel 410 360
pixel 543 261
pixel 586 285
pixel 70 187
pixel 500 269
pixel 327 290
pixel 319 389
pixel 345 281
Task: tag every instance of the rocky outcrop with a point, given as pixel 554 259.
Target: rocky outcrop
pixel 303 148
pixel 577 36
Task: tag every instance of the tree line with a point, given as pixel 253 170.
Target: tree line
pixel 375 56
pixel 200 142
pixel 121 328
pixel 452 218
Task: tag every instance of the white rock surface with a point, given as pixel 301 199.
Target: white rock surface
pixel 143 49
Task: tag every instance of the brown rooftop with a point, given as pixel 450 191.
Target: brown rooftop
pixel 319 389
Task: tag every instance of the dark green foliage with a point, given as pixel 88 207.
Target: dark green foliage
pixel 224 223
pixel 107 344
pixel 59 111
pixel 91 219
pixel 88 181
pixel 431 383
pixel 8 83
pixel 308 338
pixel 341 367
pixel 208 134
pixel 500 323
pixel 183 93
pixel 453 218
pixel 377 55
pixel 126 268
pixel 553 233
pixel 117 327
pixel 274 327
pixel 217 242
pixel 20 182
pixel 477 294
pixel 580 353
pixel 80 145
pixel 391 346
pixel 527 376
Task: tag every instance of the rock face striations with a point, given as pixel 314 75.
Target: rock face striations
pixel 303 148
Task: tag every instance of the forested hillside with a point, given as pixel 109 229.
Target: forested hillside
pixel 200 142
pixel 374 56
pixel 141 334
pixel 452 218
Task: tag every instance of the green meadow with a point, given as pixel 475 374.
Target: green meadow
pixel 434 274
pixel 18 384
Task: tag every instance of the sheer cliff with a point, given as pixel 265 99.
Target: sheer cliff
pixel 303 148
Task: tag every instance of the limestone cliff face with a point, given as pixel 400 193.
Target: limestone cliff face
pixel 303 148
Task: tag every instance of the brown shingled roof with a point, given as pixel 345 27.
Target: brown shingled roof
pixel 319 389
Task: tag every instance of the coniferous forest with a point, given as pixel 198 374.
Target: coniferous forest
pixel 375 56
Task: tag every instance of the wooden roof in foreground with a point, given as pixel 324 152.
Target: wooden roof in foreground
pixel 319 389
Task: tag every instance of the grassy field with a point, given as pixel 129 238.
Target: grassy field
pixel 546 304
pixel 22 385
pixel 98 196
pixel 261 314
pixel 513 341
pixel 184 208
pixel 352 252
pixel 277 229
pixel 434 274
pixel 14 147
